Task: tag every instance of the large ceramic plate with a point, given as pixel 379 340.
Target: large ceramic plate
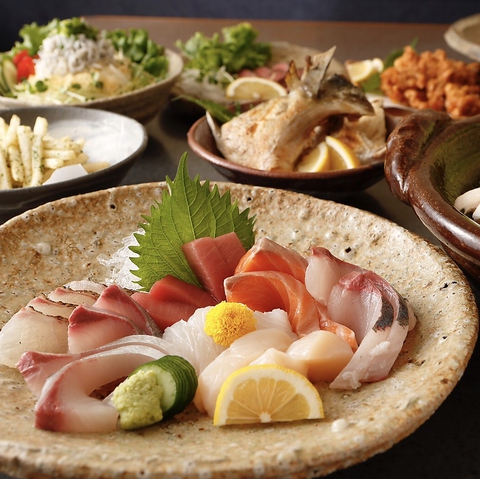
pixel 60 241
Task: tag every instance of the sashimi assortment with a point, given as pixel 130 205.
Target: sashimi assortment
pixel 213 308
pixel 306 312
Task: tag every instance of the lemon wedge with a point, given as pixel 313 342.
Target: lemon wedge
pixel 362 70
pixel 341 155
pixel 317 160
pixel 254 89
pixel 266 393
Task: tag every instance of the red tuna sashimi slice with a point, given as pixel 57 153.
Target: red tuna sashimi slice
pixel 214 259
pixel 36 367
pixel 65 404
pixel 28 330
pixel 117 300
pixel 170 299
pixel 171 288
pixel 266 255
pixel 164 313
pixel 268 290
pixel 380 318
pixel 324 271
pixel 90 327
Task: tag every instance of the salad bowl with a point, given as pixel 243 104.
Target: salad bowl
pixel 141 105
pixel 431 160
pixel 109 137
pixel 334 185
pixel 64 240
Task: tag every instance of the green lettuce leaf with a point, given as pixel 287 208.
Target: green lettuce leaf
pixel 189 210
pixel 238 50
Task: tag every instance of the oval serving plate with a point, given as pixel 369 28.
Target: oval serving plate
pixel 60 241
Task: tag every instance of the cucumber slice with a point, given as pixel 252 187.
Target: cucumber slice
pixel 177 378
pixel 8 76
pixel 9 73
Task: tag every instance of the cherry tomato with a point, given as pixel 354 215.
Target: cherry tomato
pixel 25 65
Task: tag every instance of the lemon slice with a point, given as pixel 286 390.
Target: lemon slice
pixel 266 393
pixel 341 155
pixel 362 70
pixel 254 88
pixel 315 161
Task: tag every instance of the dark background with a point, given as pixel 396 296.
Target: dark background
pixel 19 12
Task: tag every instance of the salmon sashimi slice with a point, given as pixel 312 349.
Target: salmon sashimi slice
pixel 214 259
pixel 266 255
pixel 268 290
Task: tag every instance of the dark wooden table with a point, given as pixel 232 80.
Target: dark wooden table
pixel 446 446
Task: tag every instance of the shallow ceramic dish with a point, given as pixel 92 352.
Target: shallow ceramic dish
pixel 63 240
pixel 327 185
pixel 464 36
pixel 431 160
pixel 108 137
pixel 141 105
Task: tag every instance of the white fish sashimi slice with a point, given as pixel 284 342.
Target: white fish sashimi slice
pixel 189 340
pixel 85 285
pixel 65 404
pixel 28 330
pixel 52 308
pixel 36 367
pixel 90 327
pixel 324 270
pixel 277 318
pixel 383 342
pixel 240 353
pixel 116 299
pixel 70 296
pixel 358 304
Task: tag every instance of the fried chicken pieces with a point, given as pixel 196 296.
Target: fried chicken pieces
pixel 431 80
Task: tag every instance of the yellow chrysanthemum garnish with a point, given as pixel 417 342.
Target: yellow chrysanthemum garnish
pixel 227 322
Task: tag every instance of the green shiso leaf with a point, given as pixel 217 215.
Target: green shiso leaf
pixel 373 84
pixel 189 210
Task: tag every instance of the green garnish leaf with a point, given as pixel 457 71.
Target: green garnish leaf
pixel 189 210
pixel 238 50
pixel 218 111
pixel 373 83
pixel 139 48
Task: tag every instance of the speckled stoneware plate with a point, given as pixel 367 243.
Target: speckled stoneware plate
pixel 464 36
pixel 60 241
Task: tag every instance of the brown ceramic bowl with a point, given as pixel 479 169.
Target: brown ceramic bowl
pixel 328 185
pixel 141 105
pixel 431 159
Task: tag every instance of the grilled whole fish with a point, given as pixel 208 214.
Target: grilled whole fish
pixel 276 133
